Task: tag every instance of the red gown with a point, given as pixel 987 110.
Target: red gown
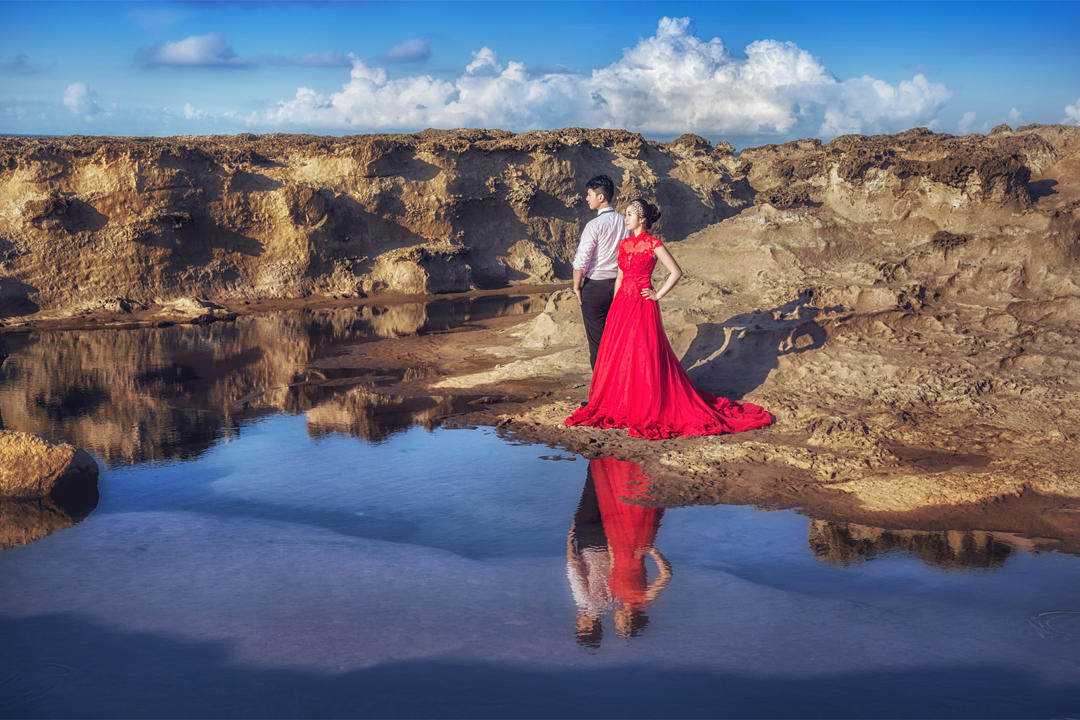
pixel 638 382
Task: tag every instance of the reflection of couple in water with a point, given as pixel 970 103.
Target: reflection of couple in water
pixel 606 550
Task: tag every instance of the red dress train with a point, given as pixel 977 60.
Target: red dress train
pixel 638 382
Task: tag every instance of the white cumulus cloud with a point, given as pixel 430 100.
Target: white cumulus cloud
pixel 866 104
pixel 195 51
pixel 1072 113
pixel 79 99
pixel 670 83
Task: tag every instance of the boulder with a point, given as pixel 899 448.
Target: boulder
pixel 33 467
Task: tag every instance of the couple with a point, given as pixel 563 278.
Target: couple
pixel 637 381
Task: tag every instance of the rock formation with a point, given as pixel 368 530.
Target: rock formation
pixel 122 223
pixel 33 467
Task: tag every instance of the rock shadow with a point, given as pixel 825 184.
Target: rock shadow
pixel 244 181
pixel 15 298
pixel 1042 188
pixel 697 208
pixel 734 357
pixel 346 228
pixel 402 164
pixel 63 211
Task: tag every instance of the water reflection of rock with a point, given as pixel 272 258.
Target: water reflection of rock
pixel 847 543
pixel 374 416
pixel 23 521
pixel 156 393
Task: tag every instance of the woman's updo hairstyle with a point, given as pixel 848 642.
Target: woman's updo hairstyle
pixel 644 210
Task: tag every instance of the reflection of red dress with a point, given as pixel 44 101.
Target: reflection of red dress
pixel 630 529
pixel 638 382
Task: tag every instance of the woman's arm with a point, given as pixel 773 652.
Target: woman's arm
pixel 673 268
pixel 618 281
pixel 663 576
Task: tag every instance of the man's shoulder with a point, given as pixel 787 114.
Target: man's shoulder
pixel 605 218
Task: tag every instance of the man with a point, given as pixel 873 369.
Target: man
pixel 596 261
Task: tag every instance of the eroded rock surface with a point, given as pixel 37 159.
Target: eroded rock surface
pixel 124 223
pixel 33 467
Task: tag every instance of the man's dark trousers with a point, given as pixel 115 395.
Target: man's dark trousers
pixel 596 296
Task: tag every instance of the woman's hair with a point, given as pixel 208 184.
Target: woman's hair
pixel 645 210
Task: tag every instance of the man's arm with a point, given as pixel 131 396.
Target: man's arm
pixel 586 252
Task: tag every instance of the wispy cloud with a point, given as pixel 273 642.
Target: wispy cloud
pixel 539 70
pixel 79 99
pixel 212 51
pixel 328 58
pixel 19 65
pixel 158 16
pixel 209 50
pixel 193 113
pixel 967 122
pixel 667 84
pixel 413 50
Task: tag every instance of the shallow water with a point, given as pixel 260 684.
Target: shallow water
pixel 264 569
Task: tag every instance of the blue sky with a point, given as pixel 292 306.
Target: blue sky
pixel 748 72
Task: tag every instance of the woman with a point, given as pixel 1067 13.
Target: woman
pixel 638 382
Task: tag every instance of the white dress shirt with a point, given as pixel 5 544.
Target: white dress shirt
pixel 597 255
pixel 588 573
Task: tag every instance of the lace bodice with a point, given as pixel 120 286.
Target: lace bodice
pixel 637 259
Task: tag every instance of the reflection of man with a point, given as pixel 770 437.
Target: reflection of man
pixel 596 260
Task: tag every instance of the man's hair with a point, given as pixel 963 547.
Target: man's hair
pixel 603 185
